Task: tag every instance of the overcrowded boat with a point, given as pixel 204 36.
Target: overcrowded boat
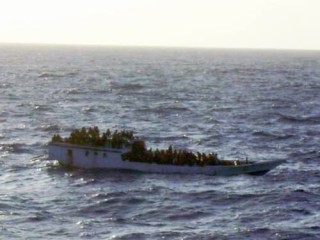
pixel 88 148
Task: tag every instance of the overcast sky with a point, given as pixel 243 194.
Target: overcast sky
pixel 276 24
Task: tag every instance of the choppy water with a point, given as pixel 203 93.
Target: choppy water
pixel 259 104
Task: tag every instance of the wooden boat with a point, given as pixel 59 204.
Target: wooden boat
pixel 81 156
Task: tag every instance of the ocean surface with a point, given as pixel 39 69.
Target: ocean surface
pixel 264 105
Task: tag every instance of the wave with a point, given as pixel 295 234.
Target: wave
pixel 102 91
pixel 101 196
pixel 127 86
pixel 49 128
pixel 84 90
pixel 88 109
pixel 39 216
pixel 186 215
pixel 299 119
pixel 166 139
pixel 272 136
pixel 15 148
pixel 57 75
pixel 5 85
pixel 4 114
pixel 306 155
pixel 41 107
pixel 129 236
pixel 163 109
pixel 223 108
pixel 71 91
pixel 103 206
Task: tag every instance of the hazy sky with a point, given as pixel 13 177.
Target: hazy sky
pixel 289 24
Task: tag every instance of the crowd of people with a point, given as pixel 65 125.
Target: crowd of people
pixel 91 137
pixel 138 151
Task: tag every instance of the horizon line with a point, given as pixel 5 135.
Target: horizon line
pixel 155 46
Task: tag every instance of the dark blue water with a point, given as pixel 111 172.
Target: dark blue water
pixel 263 105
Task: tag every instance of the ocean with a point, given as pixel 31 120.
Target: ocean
pixel 259 104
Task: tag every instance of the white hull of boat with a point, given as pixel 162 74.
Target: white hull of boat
pixel 108 158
